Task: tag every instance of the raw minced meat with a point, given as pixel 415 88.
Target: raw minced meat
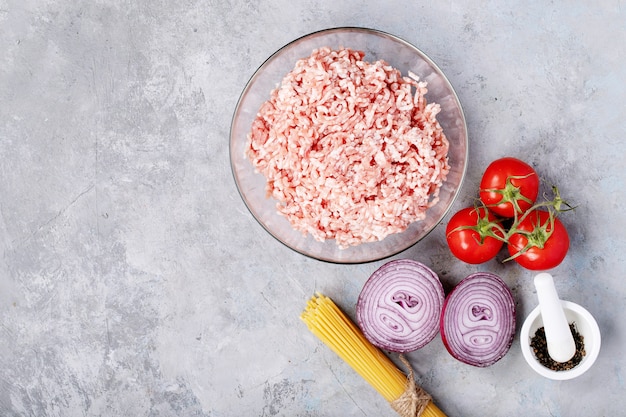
pixel 351 150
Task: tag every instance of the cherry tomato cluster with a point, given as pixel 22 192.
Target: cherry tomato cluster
pixel 507 213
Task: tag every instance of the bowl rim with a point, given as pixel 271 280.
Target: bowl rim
pixel 423 56
pixel 578 370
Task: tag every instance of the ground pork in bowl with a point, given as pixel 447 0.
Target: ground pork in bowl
pixel 348 145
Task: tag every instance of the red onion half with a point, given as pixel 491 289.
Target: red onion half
pixel 478 320
pixel 399 306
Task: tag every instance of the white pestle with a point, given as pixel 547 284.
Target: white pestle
pixel 561 346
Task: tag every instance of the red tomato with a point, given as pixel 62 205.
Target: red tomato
pixel 543 244
pixel 473 235
pixel 507 185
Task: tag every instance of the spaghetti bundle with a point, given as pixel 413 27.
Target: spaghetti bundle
pixel 337 331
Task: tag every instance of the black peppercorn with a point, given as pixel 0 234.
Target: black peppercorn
pixel 540 347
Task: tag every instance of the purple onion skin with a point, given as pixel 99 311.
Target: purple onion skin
pixel 478 320
pixel 399 307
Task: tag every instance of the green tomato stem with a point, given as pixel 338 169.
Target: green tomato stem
pixel 511 193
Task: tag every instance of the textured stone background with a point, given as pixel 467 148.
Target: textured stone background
pixel 133 281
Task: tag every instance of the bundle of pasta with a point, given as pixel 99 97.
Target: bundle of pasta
pixel 337 331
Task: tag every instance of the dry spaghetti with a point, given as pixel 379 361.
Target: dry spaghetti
pixel 337 331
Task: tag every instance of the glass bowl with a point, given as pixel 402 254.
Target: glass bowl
pixel 376 45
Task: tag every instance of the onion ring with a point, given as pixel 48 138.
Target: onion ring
pixel 399 306
pixel 478 320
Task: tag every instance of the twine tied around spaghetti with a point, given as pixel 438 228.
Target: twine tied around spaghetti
pixel 414 399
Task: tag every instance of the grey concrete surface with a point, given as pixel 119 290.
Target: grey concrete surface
pixel 133 280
